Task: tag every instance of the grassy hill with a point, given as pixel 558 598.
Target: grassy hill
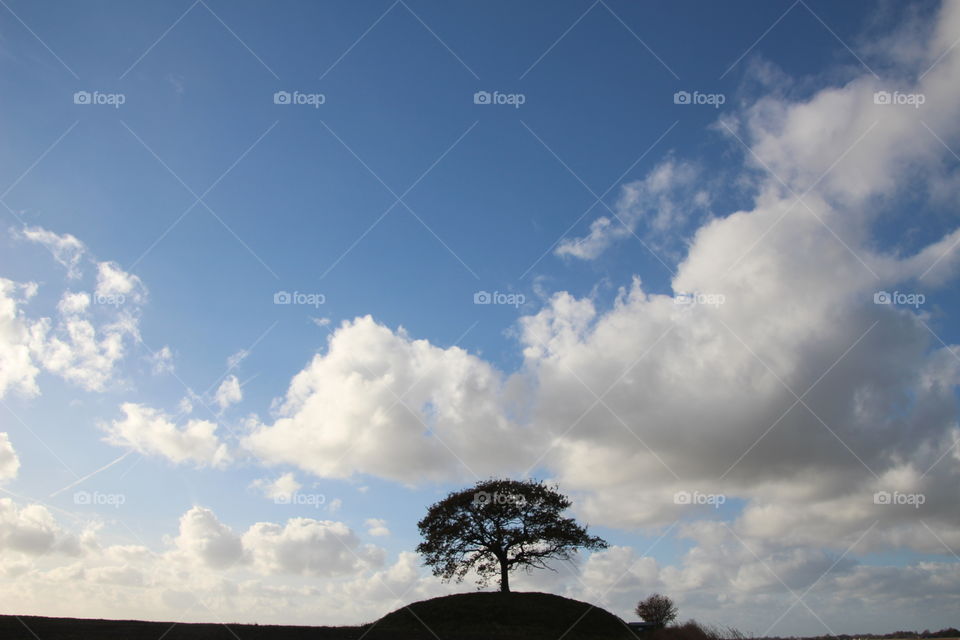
pixel 531 616
pixel 466 616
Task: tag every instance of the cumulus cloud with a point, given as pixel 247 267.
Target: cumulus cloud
pixel 304 546
pixel 206 539
pixel 280 489
pixel 797 394
pixel 301 546
pixel 162 361
pixel 228 392
pixel 9 462
pixel 33 531
pixel 89 337
pixel 667 200
pixel 377 527
pixel 17 369
pixel 113 283
pixel 379 401
pixel 80 351
pixel 74 303
pixel 152 432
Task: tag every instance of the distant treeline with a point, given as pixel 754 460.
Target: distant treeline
pixel 943 633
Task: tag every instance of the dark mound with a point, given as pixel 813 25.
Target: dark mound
pixel 467 616
pixel 33 627
pixel 531 616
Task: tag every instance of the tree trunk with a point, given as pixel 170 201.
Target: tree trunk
pixel 504 577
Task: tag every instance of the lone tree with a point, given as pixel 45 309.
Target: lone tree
pixel 498 525
pixel 657 609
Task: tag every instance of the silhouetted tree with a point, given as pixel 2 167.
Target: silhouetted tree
pixel 498 525
pixel 657 609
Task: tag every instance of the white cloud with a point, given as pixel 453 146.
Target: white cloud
pixel 77 351
pixel 113 282
pixel 152 432
pixel 79 348
pixel 382 402
pixel 17 369
pixel 228 392
pixel 74 303
pixel 707 394
pixel 668 199
pixel 9 462
pixel 280 489
pixel 207 540
pixel 301 546
pixel 377 527
pixel 161 362
pixel 304 571
pixel 185 406
pixel 305 546
pixel 66 249
pixel 33 531
pixel 87 342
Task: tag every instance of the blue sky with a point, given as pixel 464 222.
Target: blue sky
pixel 397 196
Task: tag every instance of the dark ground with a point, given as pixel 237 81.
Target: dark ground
pixel 467 616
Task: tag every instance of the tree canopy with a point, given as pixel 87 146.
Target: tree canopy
pixel 657 609
pixel 498 525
